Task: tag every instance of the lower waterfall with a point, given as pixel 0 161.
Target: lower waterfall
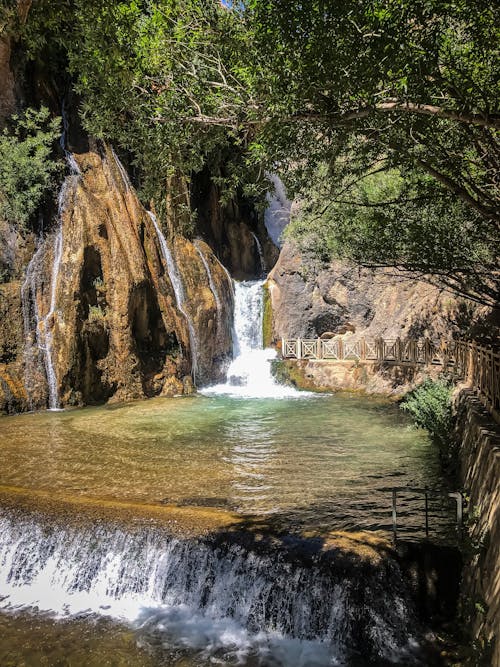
pixel 249 374
pixel 210 594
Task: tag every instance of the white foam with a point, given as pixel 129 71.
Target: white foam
pixel 249 375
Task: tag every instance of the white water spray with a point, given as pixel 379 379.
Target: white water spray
pixel 249 374
pixel 178 287
pixel 277 214
pixel 202 596
pixel 121 169
pixel 261 253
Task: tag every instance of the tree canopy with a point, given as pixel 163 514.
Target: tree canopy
pixel 325 93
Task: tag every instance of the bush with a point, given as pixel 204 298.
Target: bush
pixel 430 406
pixel 96 314
pixel 27 170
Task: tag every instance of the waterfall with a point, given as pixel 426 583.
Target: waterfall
pixel 42 340
pixel 121 169
pixel 213 288
pixel 291 607
pixel 178 287
pixel 249 374
pixel 277 214
pixel 261 253
pixel 31 322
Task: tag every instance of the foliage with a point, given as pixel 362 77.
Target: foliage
pixel 96 314
pixel 386 219
pixel 324 93
pixel 409 86
pixel 140 69
pixel 27 170
pixel 430 407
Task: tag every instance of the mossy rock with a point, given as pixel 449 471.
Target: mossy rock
pixel 267 318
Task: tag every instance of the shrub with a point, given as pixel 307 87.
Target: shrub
pixel 430 406
pixel 96 314
pixel 27 170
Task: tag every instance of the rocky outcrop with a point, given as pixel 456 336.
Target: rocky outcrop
pixel 209 302
pixel 309 300
pixel 234 230
pixel 106 306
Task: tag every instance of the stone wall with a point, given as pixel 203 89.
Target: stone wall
pixel 479 441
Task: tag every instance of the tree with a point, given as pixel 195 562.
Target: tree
pixel 309 88
pixel 384 85
pixel 27 170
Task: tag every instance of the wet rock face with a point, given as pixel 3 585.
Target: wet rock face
pixel 209 302
pixel 12 393
pixel 310 300
pixel 115 328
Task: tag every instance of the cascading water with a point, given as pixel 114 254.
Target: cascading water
pixel 211 283
pixel 261 253
pixel 178 287
pixel 277 214
pixel 215 596
pixel 121 169
pixel 41 342
pixel 249 374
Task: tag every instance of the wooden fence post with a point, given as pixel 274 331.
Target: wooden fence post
pixel 397 350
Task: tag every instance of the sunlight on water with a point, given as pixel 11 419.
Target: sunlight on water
pixel 316 462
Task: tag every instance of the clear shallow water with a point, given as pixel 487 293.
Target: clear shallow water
pixel 313 462
pixel 316 462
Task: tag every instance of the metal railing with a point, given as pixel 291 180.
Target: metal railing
pixel 428 493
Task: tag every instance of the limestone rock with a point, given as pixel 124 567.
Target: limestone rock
pixel 232 229
pixel 117 333
pixel 310 300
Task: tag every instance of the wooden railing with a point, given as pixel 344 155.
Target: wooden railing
pixel 478 366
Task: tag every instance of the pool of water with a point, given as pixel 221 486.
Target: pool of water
pixel 318 462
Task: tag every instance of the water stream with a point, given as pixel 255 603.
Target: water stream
pixel 38 328
pixel 249 375
pixel 215 597
pixel 180 295
pixel 303 463
pixel 261 253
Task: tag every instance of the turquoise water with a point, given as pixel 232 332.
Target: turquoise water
pixel 323 462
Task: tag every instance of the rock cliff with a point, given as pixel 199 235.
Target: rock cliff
pixel 309 299
pixel 235 231
pixel 103 305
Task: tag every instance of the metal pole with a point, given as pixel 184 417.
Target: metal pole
pixel 460 511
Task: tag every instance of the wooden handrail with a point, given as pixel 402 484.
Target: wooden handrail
pixel 477 365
